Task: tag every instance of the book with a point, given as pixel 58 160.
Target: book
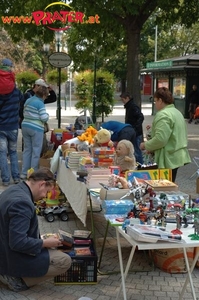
pixel 66 238
pixel 81 234
pixel 82 251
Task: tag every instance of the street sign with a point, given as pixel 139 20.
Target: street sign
pixel 159 64
pixel 59 59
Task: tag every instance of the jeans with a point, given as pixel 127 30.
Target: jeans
pixel 8 148
pixel 138 152
pixel 33 141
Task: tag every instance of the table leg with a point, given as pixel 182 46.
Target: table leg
pixel 189 270
pixel 123 274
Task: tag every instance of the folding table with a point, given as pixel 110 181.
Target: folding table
pixel 186 243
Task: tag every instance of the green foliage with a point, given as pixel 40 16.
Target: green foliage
pixel 105 87
pixel 53 76
pixel 26 80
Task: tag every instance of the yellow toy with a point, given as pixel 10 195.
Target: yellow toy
pixel 103 138
pixel 88 135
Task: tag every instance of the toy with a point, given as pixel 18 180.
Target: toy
pixel 124 157
pixel 103 138
pixel 88 135
pixel 50 212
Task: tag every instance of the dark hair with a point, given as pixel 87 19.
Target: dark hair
pixel 125 95
pixel 164 94
pixel 43 174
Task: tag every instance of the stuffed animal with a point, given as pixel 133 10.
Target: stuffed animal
pixel 103 138
pixel 124 157
pixel 88 135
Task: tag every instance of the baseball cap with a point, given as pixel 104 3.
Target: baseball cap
pixel 41 82
pixel 7 62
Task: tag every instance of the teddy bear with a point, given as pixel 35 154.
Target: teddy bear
pixel 103 138
pixel 124 156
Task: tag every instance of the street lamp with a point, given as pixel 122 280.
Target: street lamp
pixel 58 38
pixel 46 48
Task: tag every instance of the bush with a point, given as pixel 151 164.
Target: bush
pixel 26 80
pixel 104 92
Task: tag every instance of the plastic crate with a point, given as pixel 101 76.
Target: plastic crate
pixel 83 270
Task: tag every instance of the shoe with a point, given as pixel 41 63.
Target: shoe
pixel 23 177
pixel 15 284
pixel 6 183
pixel 16 181
pixel 190 121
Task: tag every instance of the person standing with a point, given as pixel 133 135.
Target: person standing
pixel 193 102
pixel 9 118
pixel 135 118
pixel 26 259
pixel 35 116
pixel 51 97
pixel 168 134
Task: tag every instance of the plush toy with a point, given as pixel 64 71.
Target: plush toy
pixel 88 135
pixel 103 138
pixel 124 157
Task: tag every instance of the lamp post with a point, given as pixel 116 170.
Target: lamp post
pixel 94 91
pixel 46 48
pixel 58 38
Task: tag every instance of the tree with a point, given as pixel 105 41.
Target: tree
pixel 121 23
pixel 124 21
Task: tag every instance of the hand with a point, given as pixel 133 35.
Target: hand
pixel 52 242
pixel 142 146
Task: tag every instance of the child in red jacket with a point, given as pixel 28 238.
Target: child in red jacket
pixel 7 77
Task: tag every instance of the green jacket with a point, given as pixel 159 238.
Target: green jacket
pixel 169 139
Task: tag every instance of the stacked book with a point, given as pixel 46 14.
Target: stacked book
pixel 73 159
pixel 96 177
pixel 103 157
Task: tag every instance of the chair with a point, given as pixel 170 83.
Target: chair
pixel 196 162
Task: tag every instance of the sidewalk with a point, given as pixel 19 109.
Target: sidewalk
pixel 146 284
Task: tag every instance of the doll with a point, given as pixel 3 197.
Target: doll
pixel 124 157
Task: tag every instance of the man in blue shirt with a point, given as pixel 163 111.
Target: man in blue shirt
pixel 120 131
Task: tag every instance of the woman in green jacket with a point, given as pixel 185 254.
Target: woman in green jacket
pixel 168 134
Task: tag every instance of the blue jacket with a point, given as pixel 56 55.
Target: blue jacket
pixel 115 127
pixel 9 112
pixel 21 252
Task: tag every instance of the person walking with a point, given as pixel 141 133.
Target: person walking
pixel 168 139
pixel 35 116
pixel 26 259
pixel 9 118
pixel 193 102
pixel 135 118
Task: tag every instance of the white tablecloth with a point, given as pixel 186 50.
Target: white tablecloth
pixel 74 190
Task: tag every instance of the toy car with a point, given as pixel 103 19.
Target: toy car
pixel 50 212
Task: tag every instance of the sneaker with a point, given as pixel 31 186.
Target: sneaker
pixel 190 121
pixel 15 284
pixel 23 177
pixel 6 183
pixel 16 181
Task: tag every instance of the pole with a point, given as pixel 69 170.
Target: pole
pixel 94 93
pixel 59 91
pixel 59 99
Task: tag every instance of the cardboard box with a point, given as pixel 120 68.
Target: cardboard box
pixel 114 194
pixel 44 162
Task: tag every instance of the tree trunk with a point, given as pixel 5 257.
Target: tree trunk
pixel 133 64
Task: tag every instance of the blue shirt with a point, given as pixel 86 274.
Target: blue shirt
pixel 115 127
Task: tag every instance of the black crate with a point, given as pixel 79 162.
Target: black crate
pixel 83 270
